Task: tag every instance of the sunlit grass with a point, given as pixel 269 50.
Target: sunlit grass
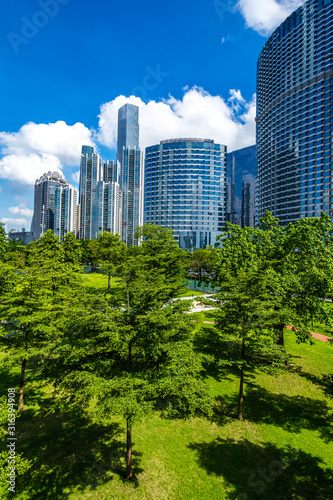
pixel 282 450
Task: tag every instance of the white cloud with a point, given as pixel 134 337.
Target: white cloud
pixel 21 210
pixel 76 176
pixel 14 223
pixel 266 15
pixel 198 114
pixel 38 148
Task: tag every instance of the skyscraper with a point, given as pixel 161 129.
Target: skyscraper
pixel 44 202
pixel 128 129
pixel 185 189
pixel 130 159
pixel 65 211
pixel 111 171
pixel 241 179
pixel 105 209
pixel 90 175
pixel 294 115
pixel 132 194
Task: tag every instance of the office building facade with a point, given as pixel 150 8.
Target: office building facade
pixel 130 165
pixel 241 180
pixel 294 116
pixel 185 189
pixel 44 202
pixel 128 129
pixel 65 211
pixel 90 175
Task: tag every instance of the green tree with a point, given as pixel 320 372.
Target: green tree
pixel 249 301
pixel 72 250
pixel 110 252
pixel 131 353
pixel 34 305
pixel 309 246
pixel 3 242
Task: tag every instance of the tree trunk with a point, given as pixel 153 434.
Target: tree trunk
pixel 281 335
pixel 241 387
pixel 129 472
pixel 109 273
pixel 20 403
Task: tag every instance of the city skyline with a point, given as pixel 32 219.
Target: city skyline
pixel 46 121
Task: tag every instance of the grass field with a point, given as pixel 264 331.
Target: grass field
pixel 100 281
pixel 282 450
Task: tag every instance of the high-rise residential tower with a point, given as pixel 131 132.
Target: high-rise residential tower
pixel 105 209
pixel 295 117
pixel 90 175
pixel 241 180
pixel 44 202
pixel 111 171
pixel 185 189
pixel 132 194
pixel 65 211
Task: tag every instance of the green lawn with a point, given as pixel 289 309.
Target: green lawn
pixel 322 328
pixel 282 450
pixel 100 281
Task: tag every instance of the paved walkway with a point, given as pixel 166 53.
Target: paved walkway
pixel 315 335
pixel 318 336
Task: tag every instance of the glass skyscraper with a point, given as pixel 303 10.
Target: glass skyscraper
pixel 185 189
pixel 65 211
pixel 241 180
pixel 105 209
pixel 132 194
pixel 90 175
pixel 131 179
pixel 44 202
pixel 295 115
pixel 111 171
pixel 128 129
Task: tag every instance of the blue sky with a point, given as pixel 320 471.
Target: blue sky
pixel 68 65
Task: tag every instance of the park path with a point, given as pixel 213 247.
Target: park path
pixel 315 335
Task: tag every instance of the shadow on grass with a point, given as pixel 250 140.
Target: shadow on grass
pixel 216 352
pixel 8 377
pixel 69 455
pixel 292 413
pixel 264 471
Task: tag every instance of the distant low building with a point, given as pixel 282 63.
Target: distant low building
pixel 24 237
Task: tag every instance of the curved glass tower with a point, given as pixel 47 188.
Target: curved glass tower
pixel 295 116
pixel 185 189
